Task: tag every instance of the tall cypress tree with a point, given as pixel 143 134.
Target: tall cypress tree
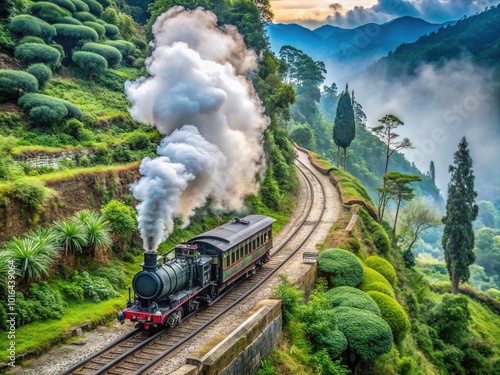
pixel 344 129
pixel 461 211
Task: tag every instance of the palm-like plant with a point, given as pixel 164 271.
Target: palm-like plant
pixel 71 235
pixel 46 237
pixel 4 268
pixel 33 258
pixel 83 215
pixel 98 233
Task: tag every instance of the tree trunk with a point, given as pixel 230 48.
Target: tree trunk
pixel 454 282
pixel 393 239
pixel 345 157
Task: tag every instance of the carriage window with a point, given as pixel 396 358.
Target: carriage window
pixel 265 237
pixel 227 259
pixel 253 244
pixel 270 234
pixel 233 257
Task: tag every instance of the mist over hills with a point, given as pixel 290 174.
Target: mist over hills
pixel 346 52
pixel 443 85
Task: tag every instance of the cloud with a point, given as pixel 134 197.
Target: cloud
pixel 439 106
pixel 436 11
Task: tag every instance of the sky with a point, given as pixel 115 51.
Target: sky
pixel 352 13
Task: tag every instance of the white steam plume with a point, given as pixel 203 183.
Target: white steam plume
pixel 199 96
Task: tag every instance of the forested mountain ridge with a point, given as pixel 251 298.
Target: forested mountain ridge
pixel 476 37
pixel 346 52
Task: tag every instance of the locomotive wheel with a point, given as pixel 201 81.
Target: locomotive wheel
pixel 175 318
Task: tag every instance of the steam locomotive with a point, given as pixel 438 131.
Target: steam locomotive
pixel 201 269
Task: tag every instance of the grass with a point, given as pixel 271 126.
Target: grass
pixel 33 149
pixel 485 324
pixel 39 336
pixel 89 97
pixel 71 173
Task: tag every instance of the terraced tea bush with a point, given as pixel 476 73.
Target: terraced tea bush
pixel 84 17
pixel 31 39
pixel 32 53
pixel 351 297
pixel 14 81
pixel 342 267
pixel 90 63
pixel 125 48
pixel 66 4
pixel 99 29
pixel 49 12
pixel 44 109
pixel 372 280
pixel 393 314
pixel 80 6
pixel 70 21
pixel 41 72
pixel 112 31
pixel 94 7
pixel 382 266
pixel 24 25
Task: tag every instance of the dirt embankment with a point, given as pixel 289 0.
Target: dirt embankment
pixel 83 191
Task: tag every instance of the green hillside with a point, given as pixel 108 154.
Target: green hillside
pixel 476 37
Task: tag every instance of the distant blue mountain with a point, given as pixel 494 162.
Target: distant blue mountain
pixel 346 52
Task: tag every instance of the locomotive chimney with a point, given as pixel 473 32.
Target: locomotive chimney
pixel 150 261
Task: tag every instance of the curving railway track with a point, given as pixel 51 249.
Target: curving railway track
pixel 141 352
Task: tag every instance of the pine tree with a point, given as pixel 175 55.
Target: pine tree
pixel 344 129
pixel 385 131
pixel 461 211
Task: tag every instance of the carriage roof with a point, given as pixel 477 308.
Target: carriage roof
pixel 237 230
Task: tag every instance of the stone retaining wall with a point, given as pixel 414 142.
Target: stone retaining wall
pixel 242 351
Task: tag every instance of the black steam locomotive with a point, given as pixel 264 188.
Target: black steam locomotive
pixel 200 270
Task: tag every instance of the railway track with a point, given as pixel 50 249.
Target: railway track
pixel 140 352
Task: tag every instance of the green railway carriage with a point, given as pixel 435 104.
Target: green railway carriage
pixel 237 247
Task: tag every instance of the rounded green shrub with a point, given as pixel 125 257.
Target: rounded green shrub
pixel 70 21
pixel 381 241
pixel 104 3
pixel 80 6
pixel 372 280
pixel 31 39
pixel 94 7
pixel 49 12
pixel 125 48
pixel 41 72
pixel 14 81
pixel 48 108
pixel 59 48
pixel 351 297
pixel 24 25
pixel 71 36
pixel 66 4
pixel 367 334
pixel 382 266
pixel 323 335
pixel 84 17
pixel 90 63
pixel 99 29
pixel 32 53
pixel 342 266
pixel 111 54
pixel 111 30
pixel 393 314
pixel 139 43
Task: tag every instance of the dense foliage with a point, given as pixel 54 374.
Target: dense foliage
pixel 44 109
pixel 342 267
pixel 111 54
pixel 374 281
pixel 382 266
pixel 351 297
pixel 13 82
pixel 32 53
pixel 461 211
pixel 392 313
pixel 24 25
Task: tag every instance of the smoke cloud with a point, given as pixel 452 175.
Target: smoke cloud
pixel 437 11
pixel 439 106
pixel 198 94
